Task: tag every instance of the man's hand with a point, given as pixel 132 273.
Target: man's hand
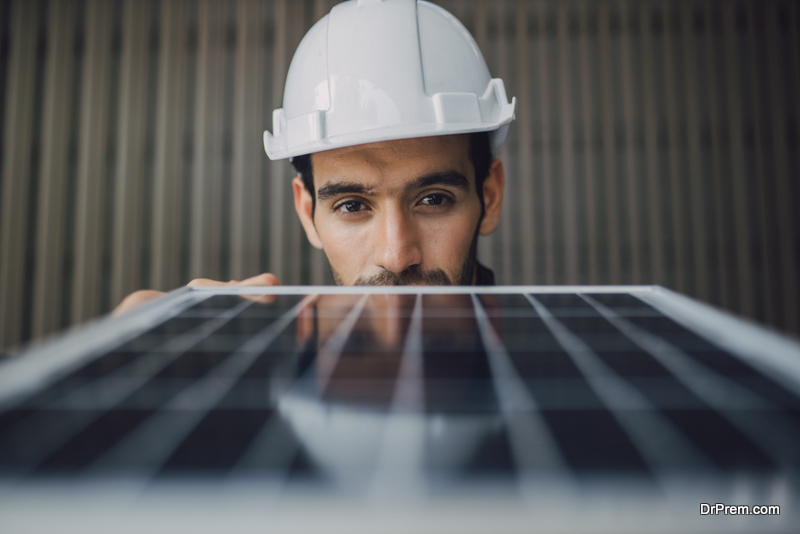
pixel 138 298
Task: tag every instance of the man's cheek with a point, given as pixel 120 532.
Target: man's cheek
pixel 448 241
pixel 346 249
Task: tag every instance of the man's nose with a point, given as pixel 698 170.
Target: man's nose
pixel 396 241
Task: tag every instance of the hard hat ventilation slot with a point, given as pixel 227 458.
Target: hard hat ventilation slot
pixel 456 108
pixel 307 128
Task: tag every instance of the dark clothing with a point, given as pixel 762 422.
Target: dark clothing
pixel 484 276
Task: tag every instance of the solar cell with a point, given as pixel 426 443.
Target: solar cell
pixel 445 399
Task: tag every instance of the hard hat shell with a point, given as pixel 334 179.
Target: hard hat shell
pixel 379 70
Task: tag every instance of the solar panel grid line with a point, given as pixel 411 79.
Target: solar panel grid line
pixel 45 362
pixel 174 421
pixel 102 396
pixel 183 342
pixel 400 464
pixel 534 447
pixel 138 457
pixel 636 415
pixel 773 355
pixel 266 449
pixel 206 393
pixel 725 390
pixel 771 430
pixel 51 432
pixel 94 399
pixel 329 353
pixel 262 340
pixel 268 463
pixel 512 394
pixel 311 406
pixel 409 393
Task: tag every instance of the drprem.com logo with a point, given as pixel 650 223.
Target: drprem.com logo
pixel 740 509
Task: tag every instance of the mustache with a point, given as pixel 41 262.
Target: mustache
pixel 414 275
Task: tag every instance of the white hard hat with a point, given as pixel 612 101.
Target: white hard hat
pixel 378 70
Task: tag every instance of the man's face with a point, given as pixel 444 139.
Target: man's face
pixel 395 212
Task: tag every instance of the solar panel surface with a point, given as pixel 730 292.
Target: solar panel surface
pixel 605 409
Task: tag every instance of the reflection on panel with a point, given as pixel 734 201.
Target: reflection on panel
pixel 414 394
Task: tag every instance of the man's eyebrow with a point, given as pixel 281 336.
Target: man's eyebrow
pixel 342 188
pixel 449 178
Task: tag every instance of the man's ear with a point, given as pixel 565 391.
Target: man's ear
pixel 493 188
pixel 304 205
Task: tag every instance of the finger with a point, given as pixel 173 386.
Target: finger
pixel 135 300
pixel 205 282
pixel 263 279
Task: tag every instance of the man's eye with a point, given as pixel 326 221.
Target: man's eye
pixel 435 199
pixel 350 206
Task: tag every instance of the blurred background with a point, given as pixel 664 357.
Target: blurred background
pixel 656 142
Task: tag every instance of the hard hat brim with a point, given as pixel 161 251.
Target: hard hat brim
pixel 276 149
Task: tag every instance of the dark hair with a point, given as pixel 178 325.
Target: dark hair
pixel 480 154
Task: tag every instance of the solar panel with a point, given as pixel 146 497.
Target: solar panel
pixel 606 409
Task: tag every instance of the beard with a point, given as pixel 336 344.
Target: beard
pixel 415 275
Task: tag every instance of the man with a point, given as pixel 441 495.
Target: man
pixel 389 118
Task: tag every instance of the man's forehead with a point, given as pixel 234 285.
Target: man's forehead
pixel 397 160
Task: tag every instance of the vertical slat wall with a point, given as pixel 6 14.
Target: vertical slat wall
pixel 276 203
pixel 656 142
pixel 54 169
pixel 89 274
pixel 166 205
pixel 18 126
pixel 526 268
pixel 248 119
pixel 586 127
pixel 129 167
pixel 500 59
pixel 739 183
pixel 208 143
